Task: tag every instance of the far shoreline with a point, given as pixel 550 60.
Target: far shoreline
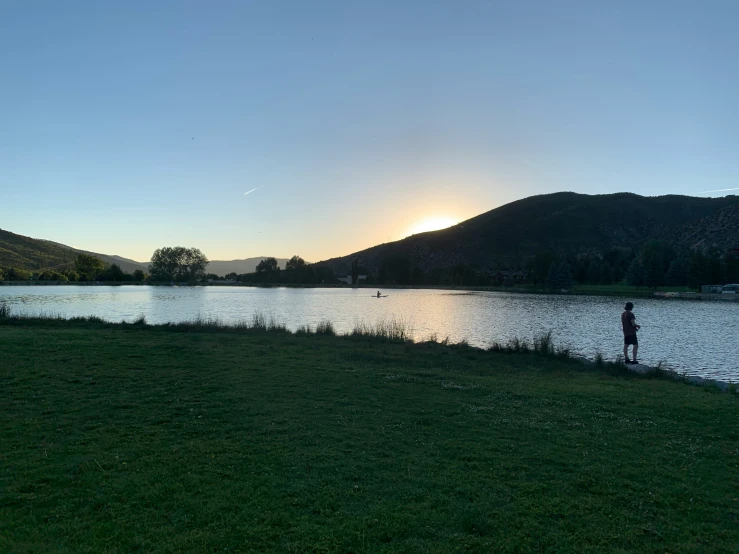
pixel 591 290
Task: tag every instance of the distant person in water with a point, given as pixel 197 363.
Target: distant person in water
pixel 628 322
pixel 378 294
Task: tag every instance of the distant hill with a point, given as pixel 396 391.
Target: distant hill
pixel 29 253
pixel 239 267
pixel 562 222
pixel 129 266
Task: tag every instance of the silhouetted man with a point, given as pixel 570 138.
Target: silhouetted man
pixel 628 322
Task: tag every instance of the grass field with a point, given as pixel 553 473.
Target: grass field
pixel 136 439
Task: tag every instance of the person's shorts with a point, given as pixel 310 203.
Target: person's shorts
pixel 631 339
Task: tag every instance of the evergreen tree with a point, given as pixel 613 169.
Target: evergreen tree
pixel 581 270
pixel 564 276
pixel 699 272
pixel 636 274
pixel 551 280
pixel 716 263
pixel 541 266
pixel 560 276
pixel 655 257
pixel 732 268
pixel 608 274
pixel 677 274
pixel 355 272
pixel 595 272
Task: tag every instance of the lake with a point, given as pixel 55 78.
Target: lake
pixel 701 338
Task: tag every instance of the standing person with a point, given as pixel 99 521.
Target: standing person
pixel 628 322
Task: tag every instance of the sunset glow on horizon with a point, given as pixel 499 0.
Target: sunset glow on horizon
pixel 431 224
pixel 263 129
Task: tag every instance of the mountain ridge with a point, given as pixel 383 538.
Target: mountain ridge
pixel 564 222
pixel 35 254
pixel 561 222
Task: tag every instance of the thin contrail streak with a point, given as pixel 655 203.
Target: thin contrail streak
pixel 252 190
pixel 719 190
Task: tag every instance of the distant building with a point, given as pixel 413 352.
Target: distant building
pixel 730 289
pixel 347 279
pixel 712 289
pixel 508 275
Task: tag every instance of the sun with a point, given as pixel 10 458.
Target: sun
pixel 432 224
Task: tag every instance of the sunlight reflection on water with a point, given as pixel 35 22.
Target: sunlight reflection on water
pixel 700 337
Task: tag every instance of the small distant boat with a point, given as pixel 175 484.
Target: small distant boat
pixel 381 296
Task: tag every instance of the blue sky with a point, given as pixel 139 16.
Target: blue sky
pixel 126 126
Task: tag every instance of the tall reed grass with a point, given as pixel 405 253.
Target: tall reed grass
pixel 395 330
pixel 542 345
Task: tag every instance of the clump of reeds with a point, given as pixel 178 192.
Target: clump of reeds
pixel 258 323
pixel 395 330
pixel 662 370
pixel 304 330
pixel 542 345
pixel 325 327
pixel 514 345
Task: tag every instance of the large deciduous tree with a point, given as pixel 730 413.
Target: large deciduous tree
pixel 177 263
pixel 17 274
pixel 267 265
pixel 296 262
pixel 88 267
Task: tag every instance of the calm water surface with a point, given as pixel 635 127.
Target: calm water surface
pixel 699 337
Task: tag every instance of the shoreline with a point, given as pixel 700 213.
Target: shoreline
pixel 388 332
pixel 637 293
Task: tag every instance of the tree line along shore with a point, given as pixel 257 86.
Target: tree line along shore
pixel 655 265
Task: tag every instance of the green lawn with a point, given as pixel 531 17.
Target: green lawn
pixel 148 440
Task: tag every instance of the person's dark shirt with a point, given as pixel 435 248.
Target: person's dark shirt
pixel 627 322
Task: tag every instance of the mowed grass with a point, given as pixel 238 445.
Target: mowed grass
pixel 149 440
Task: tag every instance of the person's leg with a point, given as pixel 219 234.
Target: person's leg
pixel 636 347
pixel 626 353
